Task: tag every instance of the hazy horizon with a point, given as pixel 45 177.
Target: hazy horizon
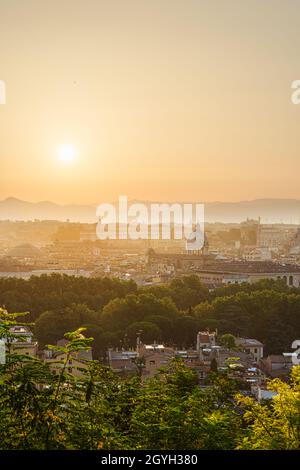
pixel 115 200
pixel 267 210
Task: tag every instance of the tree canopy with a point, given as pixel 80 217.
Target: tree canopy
pixel 267 310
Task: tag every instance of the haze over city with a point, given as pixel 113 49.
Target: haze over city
pixel 149 232
pixel 164 100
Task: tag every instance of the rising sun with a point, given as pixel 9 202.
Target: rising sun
pixel 67 153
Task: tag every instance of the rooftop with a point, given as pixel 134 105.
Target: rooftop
pixel 282 359
pixel 213 265
pixel 250 342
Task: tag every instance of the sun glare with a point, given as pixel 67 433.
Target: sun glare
pixel 67 154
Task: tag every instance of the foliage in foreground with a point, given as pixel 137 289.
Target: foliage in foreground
pixel 40 410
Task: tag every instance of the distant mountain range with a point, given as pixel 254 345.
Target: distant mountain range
pixel 16 209
pixel 270 211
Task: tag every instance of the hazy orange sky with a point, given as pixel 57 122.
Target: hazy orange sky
pixel 162 99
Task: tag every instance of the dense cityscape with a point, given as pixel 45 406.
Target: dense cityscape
pixel 149 233
pixel 225 316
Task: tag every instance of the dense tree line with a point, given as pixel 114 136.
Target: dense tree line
pixel 56 291
pixel 40 410
pixel 115 311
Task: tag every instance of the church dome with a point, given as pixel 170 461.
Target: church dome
pixel 24 251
